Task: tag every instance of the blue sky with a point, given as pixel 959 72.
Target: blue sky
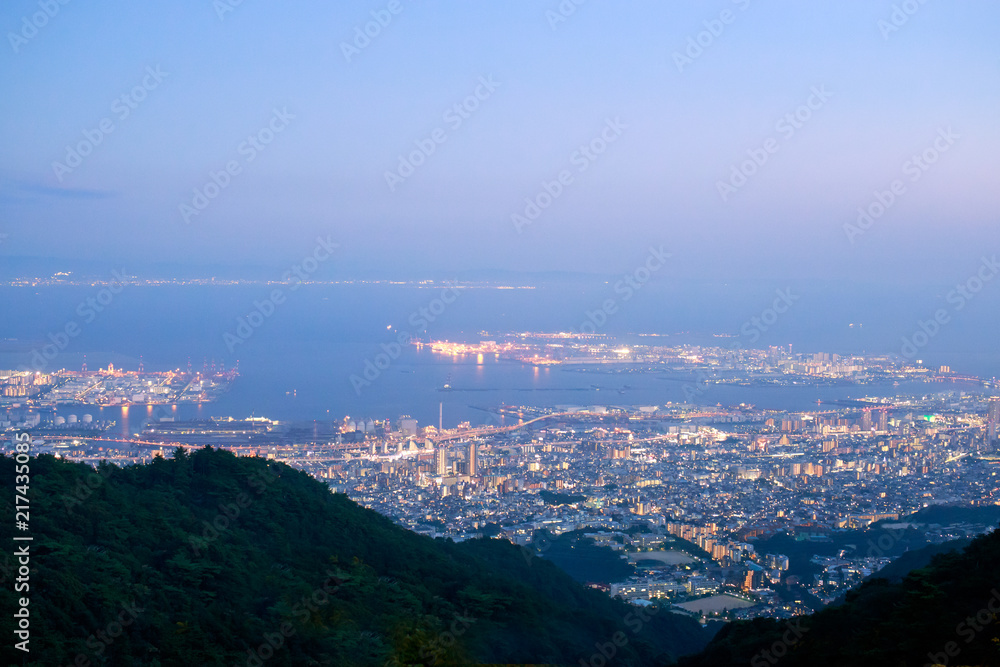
pixel 345 122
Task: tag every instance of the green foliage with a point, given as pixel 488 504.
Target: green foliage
pixel 948 514
pixel 690 548
pixel 949 605
pixel 553 498
pixel 210 559
pixel 579 557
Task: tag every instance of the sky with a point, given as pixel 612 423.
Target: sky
pixel 744 137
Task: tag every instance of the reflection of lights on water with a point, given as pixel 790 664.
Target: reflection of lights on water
pixel 124 424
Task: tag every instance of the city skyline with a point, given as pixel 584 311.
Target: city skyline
pixel 558 332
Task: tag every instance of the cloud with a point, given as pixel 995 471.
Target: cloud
pixel 18 189
pixel 64 192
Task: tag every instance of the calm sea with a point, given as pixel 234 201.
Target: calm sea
pixel 297 364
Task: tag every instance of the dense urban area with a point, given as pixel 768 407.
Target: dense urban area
pixel 724 511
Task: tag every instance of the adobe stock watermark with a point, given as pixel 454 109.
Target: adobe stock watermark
pixel 752 329
pixel 958 298
pixel 229 513
pixel 758 324
pixel 968 629
pixel 87 310
pixel 881 547
pixel 446 639
pixel 582 158
pixel 302 611
pixel 537 545
pixel 454 116
pixel 297 275
pixel 121 108
pixel 418 319
pixel 363 35
pixel 786 126
pixel 223 7
pixel 714 28
pixel 562 12
pixel 604 653
pixel 626 287
pixel 780 647
pixel 30 25
pixel 248 149
pixel 99 641
pixel 900 16
pixel 914 168
pixel 87 486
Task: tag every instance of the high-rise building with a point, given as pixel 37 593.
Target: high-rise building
pixel 866 419
pixel 883 420
pixel 407 425
pixel 472 459
pixel 993 417
pixel 441 461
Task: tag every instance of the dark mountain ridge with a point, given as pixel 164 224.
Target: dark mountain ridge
pixel 210 559
pixel 943 613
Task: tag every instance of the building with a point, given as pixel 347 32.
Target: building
pixel 473 463
pixel 776 561
pixel 441 461
pixel 407 425
pixel 993 417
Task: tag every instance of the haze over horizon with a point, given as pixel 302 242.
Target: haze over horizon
pixel 551 332
pixel 667 119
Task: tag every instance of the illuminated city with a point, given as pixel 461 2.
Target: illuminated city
pixel 703 486
pixel 392 333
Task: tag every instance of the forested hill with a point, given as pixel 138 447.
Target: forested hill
pixel 210 559
pixel 945 613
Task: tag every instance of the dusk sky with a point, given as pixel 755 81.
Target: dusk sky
pixel 886 82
